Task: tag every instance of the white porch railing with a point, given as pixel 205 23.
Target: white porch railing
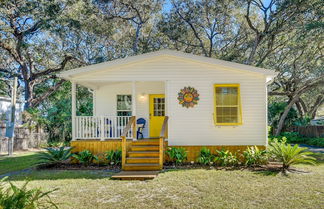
pixel 101 127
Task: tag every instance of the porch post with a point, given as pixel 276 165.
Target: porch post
pixel 134 107
pixel 73 109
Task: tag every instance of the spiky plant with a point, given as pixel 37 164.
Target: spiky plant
pixel 15 197
pixel 55 155
pixel 289 155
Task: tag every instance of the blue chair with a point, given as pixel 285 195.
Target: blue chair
pixel 140 126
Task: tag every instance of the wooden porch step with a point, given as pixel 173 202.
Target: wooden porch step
pixel 143 154
pixel 145 148
pixel 145 142
pixel 135 175
pixel 142 167
pixel 142 160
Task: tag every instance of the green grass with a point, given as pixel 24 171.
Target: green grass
pixel 18 162
pixel 197 188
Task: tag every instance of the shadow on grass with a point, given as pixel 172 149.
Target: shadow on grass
pixel 61 175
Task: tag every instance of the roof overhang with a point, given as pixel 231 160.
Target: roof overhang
pixel 74 73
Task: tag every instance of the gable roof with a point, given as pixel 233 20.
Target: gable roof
pixel 171 53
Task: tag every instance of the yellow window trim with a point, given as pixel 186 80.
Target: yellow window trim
pixel 239 104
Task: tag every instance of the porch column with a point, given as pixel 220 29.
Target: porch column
pixel 73 109
pixel 134 107
pixel 134 98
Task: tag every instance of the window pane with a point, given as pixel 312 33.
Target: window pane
pixel 227 104
pixel 226 96
pixel 159 107
pixel 124 102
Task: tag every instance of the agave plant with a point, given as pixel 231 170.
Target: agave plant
pixel 290 155
pixel 85 157
pixel 55 155
pixel 15 197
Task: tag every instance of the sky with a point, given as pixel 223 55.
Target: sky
pixel 167 5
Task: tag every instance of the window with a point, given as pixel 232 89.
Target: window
pixel 227 104
pixel 159 106
pixel 124 105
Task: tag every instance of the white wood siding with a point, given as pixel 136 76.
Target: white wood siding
pixel 193 126
pixel 106 98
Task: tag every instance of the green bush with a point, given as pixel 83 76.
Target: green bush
pixel 13 197
pixel 295 138
pixel 205 156
pixel 55 155
pixel 226 158
pixel 114 157
pixel 253 156
pixel 85 157
pixel 177 155
pixel 289 155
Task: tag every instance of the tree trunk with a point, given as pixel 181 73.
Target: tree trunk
pixel 257 41
pixel 28 94
pixel 285 113
pixel 135 44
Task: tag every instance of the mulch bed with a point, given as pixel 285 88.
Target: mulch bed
pixel 270 167
pixel 76 166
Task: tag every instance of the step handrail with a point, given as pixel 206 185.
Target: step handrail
pixel 163 135
pixel 131 122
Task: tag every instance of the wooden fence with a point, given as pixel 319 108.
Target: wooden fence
pixel 24 139
pixel 311 131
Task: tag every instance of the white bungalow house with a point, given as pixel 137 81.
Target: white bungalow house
pixel 209 102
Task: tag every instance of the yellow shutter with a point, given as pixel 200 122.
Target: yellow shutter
pixel 227 104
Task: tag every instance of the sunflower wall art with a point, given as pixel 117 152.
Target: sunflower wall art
pixel 188 97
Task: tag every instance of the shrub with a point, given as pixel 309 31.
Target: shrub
pixel 289 155
pixel 177 155
pixel 13 197
pixel 114 157
pixel 253 156
pixel 226 158
pixel 205 156
pixel 85 157
pixel 55 155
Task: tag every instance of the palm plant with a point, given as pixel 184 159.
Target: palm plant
pixel 177 155
pixel 55 155
pixel 85 157
pixel 114 157
pixel 226 158
pixel 205 156
pixel 254 156
pixel 12 196
pixel 290 155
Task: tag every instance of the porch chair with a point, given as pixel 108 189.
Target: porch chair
pixel 140 126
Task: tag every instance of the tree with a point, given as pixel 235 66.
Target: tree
pixel 204 27
pixel 35 53
pixel 132 18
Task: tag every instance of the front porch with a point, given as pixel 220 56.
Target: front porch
pixel 114 103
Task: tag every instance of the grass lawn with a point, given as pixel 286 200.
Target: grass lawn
pixel 197 188
pixel 20 161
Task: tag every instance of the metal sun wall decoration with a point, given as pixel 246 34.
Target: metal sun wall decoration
pixel 188 97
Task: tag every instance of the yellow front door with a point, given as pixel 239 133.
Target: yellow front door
pixel 157 113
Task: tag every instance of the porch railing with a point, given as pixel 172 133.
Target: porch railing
pixel 101 127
